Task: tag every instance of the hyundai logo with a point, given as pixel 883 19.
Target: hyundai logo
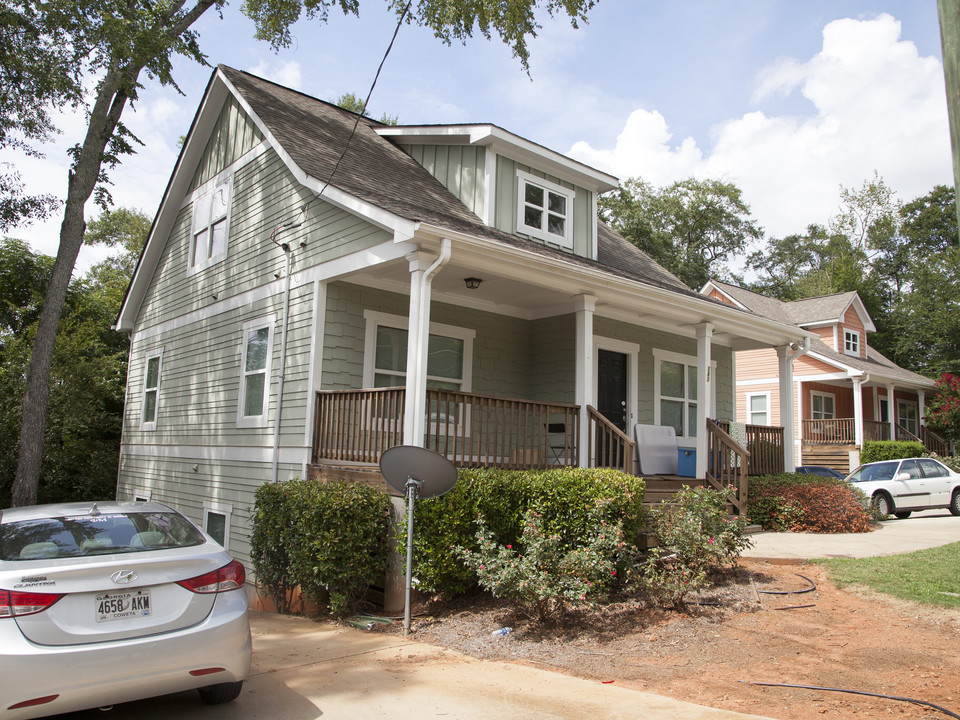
pixel 124 577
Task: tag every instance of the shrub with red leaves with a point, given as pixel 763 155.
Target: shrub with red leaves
pixel 805 503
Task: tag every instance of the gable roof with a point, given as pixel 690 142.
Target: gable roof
pixel 821 310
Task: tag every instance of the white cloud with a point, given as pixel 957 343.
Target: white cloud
pixel 876 105
pixel 286 73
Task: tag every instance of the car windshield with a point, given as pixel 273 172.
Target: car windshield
pixel 871 473
pixel 62 537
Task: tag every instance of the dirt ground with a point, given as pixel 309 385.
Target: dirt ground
pixel 741 633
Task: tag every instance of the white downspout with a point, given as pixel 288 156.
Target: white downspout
pixel 283 364
pixel 791 435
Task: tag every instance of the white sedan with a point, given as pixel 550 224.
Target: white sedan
pixel 897 487
pixel 107 602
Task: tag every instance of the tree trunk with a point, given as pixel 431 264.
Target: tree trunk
pixel 104 119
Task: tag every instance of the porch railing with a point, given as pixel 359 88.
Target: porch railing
pixel 484 431
pixel 765 444
pixel 471 430
pixel 727 464
pixel 934 442
pixel 875 430
pixel 836 431
pixel 609 445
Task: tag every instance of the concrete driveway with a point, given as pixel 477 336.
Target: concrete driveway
pixel 304 670
pixel 924 529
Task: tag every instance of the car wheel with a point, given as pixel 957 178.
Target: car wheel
pixel 955 503
pixel 218 694
pixel 903 514
pixel 882 504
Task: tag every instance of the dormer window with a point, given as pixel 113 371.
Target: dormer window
pixel 851 343
pixel 545 210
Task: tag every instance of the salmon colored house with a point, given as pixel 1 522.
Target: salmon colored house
pixel 844 392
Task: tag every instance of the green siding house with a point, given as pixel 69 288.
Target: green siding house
pixel 318 287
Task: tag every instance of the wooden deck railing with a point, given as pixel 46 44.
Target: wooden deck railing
pixel 727 464
pixel 471 430
pixel 875 430
pixel 934 442
pixel 609 445
pixel 837 431
pixel 765 444
pixel 485 431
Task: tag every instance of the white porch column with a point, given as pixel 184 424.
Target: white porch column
pixel 585 371
pixel 892 412
pixel 857 411
pixel 800 420
pixel 418 336
pixel 705 382
pixel 785 373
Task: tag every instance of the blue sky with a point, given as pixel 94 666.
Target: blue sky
pixel 789 100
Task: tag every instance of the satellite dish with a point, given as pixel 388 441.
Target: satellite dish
pixel 415 471
pixel 435 474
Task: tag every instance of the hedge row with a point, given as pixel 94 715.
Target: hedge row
pixel 565 499
pixel 891 450
pixel 806 503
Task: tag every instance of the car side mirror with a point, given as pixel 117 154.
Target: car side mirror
pixel 902 477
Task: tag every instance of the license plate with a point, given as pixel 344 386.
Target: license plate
pixel 121 606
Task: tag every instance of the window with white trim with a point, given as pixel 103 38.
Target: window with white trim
pixel 675 387
pixel 544 210
pixel 216 522
pixel 449 354
pixel 907 416
pixel 256 355
pixel 208 236
pixel 822 406
pixel 851 343
pixel 758 408
pixel 151 391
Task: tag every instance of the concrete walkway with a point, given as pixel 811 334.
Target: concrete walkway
pixel 926 529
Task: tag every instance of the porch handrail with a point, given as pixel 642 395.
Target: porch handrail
pixel 832 431
pixel 934 442
pixel 875 430
pixel 609 446
pixel 727 463
pixel 904 434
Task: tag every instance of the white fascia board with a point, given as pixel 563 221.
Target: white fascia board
pixel 705 290
pixel 518 263
pixel 850 371
pixel 508 145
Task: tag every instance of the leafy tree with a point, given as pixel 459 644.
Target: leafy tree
pixel 943 411
pixel 114 42
pixel 690 227
pixel 354 103
pixel 88 371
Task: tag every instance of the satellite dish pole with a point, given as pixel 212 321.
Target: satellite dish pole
pixel 415 472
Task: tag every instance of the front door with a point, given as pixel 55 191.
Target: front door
pixel 611 403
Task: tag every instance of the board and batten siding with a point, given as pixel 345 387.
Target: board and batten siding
pixel 460 168
pixel 506 197
pixel 233 136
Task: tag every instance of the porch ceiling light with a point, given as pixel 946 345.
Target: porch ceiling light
pixel 472 283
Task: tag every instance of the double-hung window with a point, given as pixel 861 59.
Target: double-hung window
pixel 822 406
pixel 545 210
pixel 151 391
pixel 758 408
pixel 208 238
pixel 907 416
pixel 216 522
pixel 255 360
pixel 675 379
pixel 449 354
pixel 851 343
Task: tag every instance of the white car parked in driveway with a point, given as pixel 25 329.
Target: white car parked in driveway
pixel 107 602
pixel 897 487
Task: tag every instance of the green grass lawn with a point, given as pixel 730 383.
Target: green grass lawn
pixel 930 577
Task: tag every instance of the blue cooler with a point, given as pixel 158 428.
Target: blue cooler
pixel 686 462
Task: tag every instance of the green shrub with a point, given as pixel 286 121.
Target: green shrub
pixel 891 450
pixel 331 539
pixel 539 574
pixel 565 498
pixel 695 534
pixel 798 502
